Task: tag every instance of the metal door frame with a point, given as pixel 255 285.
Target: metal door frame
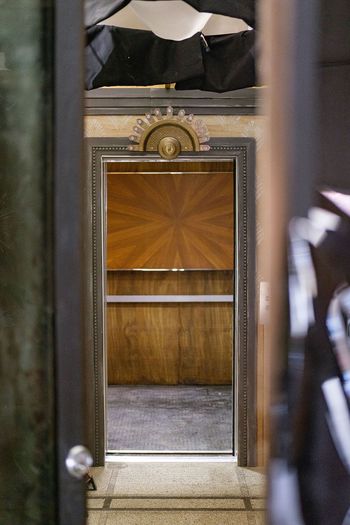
pixel 242 151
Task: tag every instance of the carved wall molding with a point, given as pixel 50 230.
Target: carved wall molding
pixel 136 101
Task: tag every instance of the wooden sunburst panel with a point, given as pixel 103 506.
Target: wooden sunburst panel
pixel 170 220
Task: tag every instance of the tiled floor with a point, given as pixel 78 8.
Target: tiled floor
pixel 177 493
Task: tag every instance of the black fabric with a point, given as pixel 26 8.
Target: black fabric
pixel 229 64
pixel 98 10
pixel 131 57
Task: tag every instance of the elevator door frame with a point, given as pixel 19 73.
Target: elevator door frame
pixel 242 152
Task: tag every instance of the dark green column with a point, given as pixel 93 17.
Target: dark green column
pixel 27 448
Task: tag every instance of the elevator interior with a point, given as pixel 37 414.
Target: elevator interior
pixel 169 261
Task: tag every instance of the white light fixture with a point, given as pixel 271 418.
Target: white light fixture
pixel 173 20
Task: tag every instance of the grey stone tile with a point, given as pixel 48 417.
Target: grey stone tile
pixel 95 503
pixel 175 518
pixel 178 503
pixel 178 479
pixel 258 504
pixel 172 518
pixel 253 480
pixel 97 518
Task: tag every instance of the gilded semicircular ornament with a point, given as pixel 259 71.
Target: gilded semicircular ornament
pixel 169 134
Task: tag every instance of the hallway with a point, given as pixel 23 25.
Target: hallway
pixel 176 493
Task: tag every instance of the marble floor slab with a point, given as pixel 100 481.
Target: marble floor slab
pixel 177 494
pixel 176 518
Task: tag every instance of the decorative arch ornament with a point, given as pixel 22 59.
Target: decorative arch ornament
pixel 169 134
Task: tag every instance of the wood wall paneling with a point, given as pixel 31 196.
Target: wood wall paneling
pixel 143 344
pixel 170 283
pixel 170 344
pixel 176 166
pixel 170 215
pixel 205 343
pixel 142 283
pixel 170 220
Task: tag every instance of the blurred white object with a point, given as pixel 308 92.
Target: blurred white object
pixel 222 25
pixel 215 25
pixel 338 325
pixel 264 303
pixel 174 20
pixel 284 498
pixel 338 418
pixel 302 281
pixel 341 200
pixel 126 17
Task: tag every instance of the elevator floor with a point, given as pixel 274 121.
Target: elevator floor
pixel 169 418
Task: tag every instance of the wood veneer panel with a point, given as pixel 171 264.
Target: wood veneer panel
pixel 174 166
pixel 170 220
pixel 206 344
pixel 143 344
pixel 170 283
pixel 169 344
pixel 142 283
pixel 166 219
pixel 205 282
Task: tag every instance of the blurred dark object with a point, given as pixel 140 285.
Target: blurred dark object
pixel 118 56
pixel 228 64
pixel 312 447
pixel 90 482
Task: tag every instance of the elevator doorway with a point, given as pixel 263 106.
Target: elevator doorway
pixel 102 153
pixel 169 266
